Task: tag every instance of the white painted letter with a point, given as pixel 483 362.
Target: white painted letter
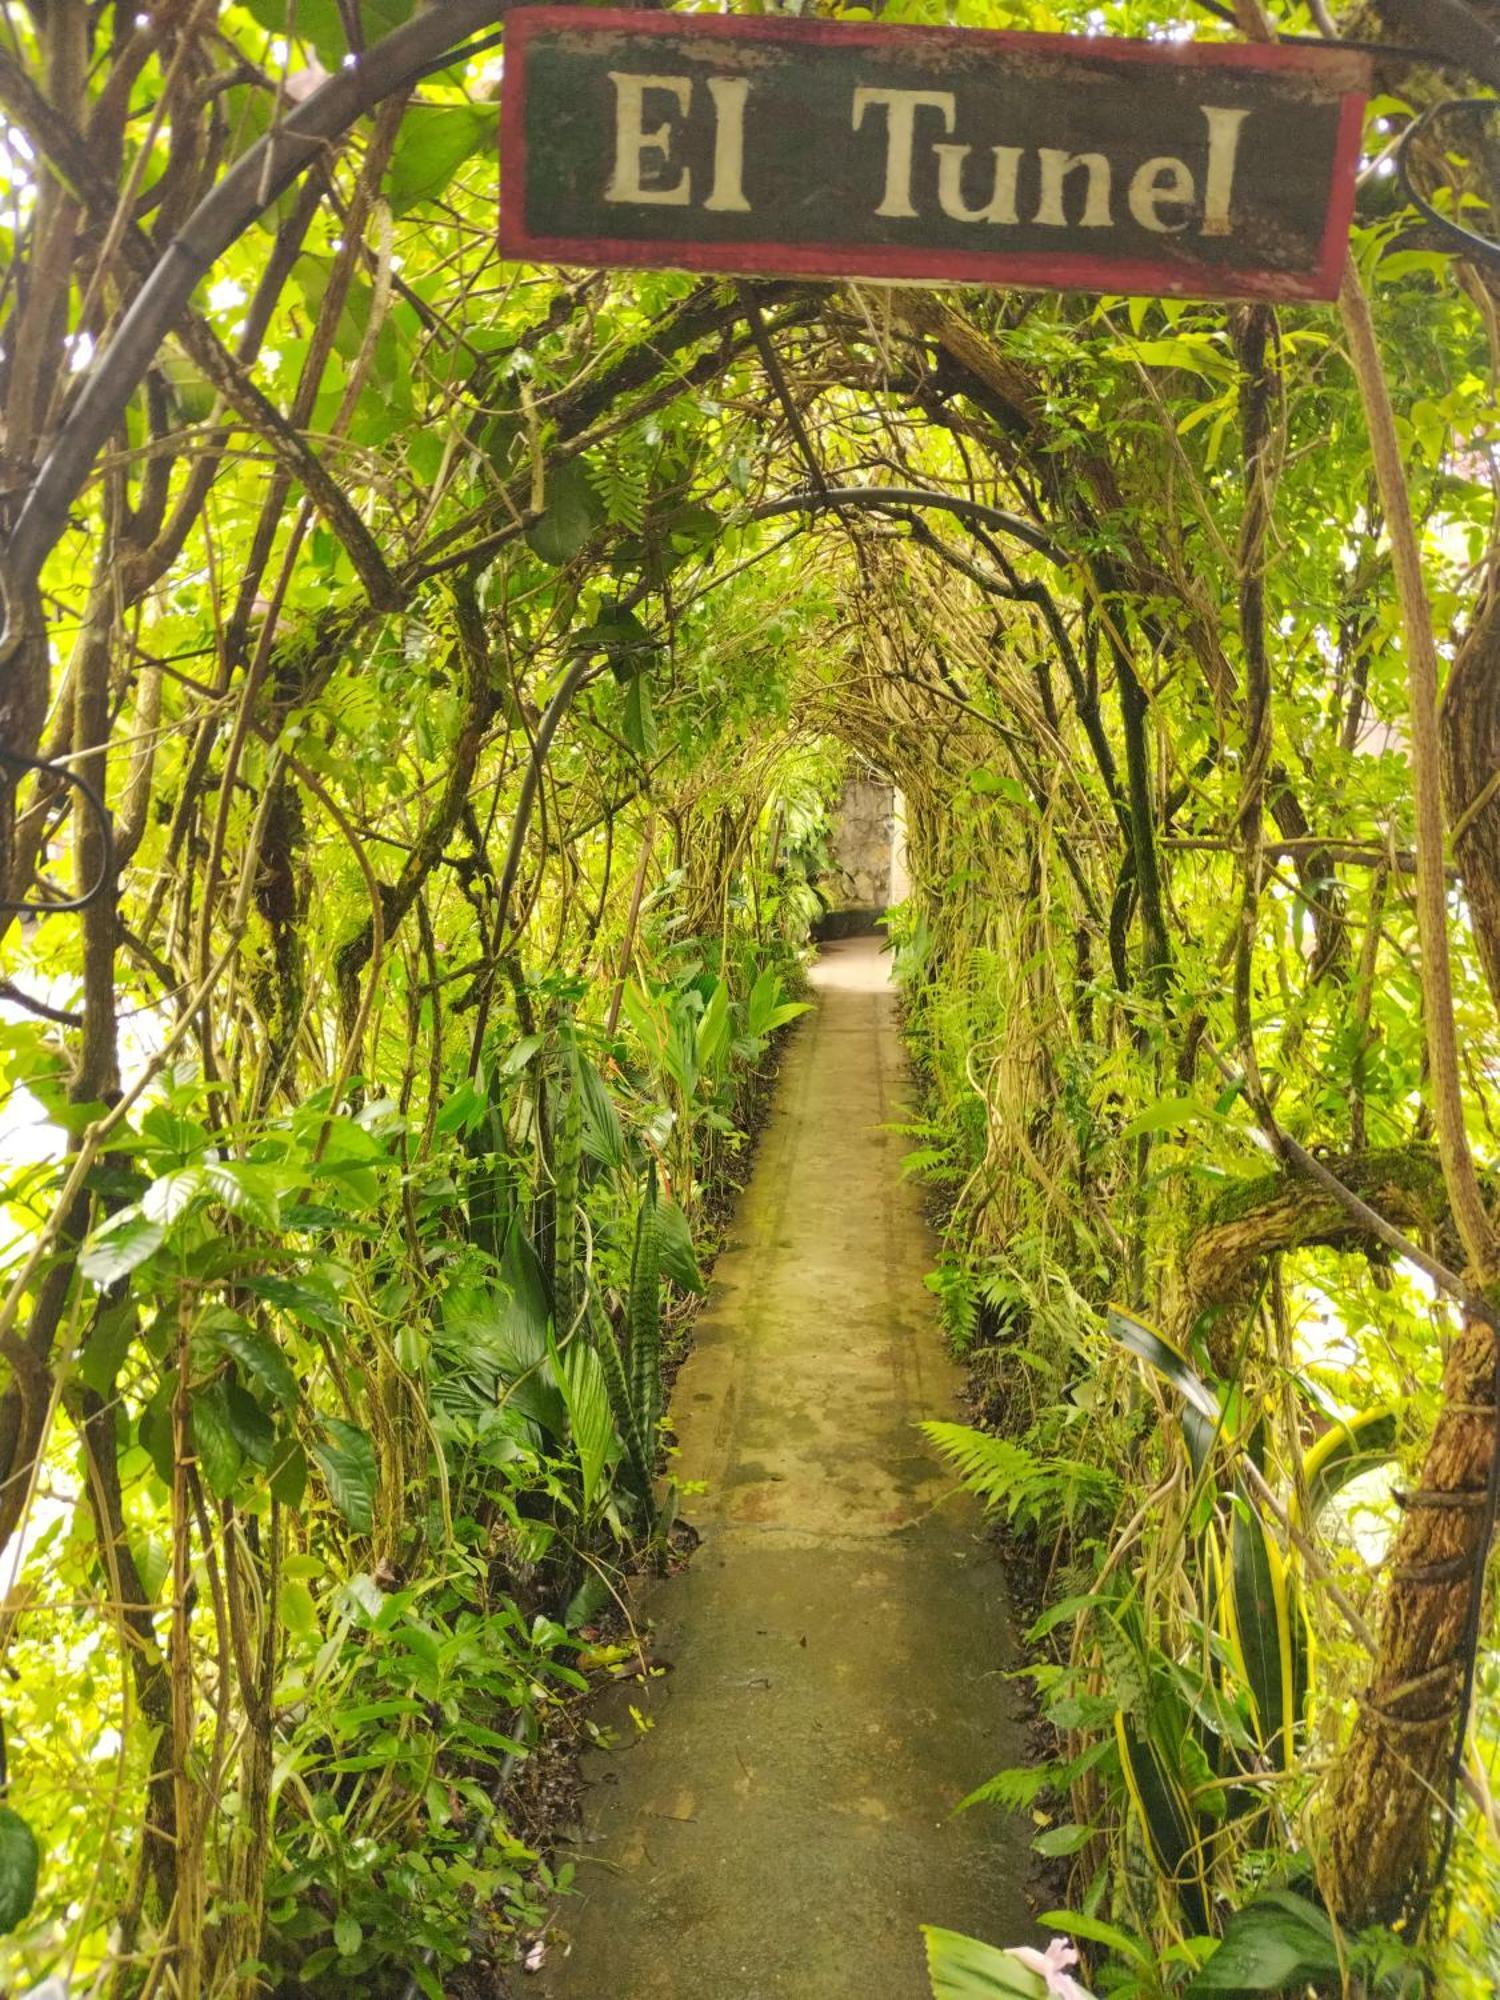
pixel 632 143
pixel 901 107
pixel 728 191
pixel 1001 206
pixel 1056 166
pixel 1157 185
pixel 1223 144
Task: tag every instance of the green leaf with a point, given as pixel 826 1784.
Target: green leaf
pixel 434 142
pixel 256 1352
pixel 347 1460
pixel 348 1936
pixel 298 1611
pixel 245 1190
pixel 1165 1818
pixel 1353 1446
pixel 1273 1945
pixel 674 1247
pixel 215 1446
pixel 251 1428
pixel 571 512
pixel 118 1246
pixel 1149 1345
pixel 173 1194
pixel 1078 1924
pixel 603 1138
pixel 962 1968
pixel 1062 1839
pixel 638 717
pixel 108 1343
pixel 289 1475
pixel 589 1417
pixel 314 1304
pixel 1262 1626
pixel 1165 1115
pixel 20 1861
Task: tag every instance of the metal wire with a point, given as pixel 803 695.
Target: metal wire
pixel 12 762
pixel 1469 241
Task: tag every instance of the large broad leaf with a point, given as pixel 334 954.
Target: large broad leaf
pixel 289 1474
pixel 589 1418
pixel 19 1862
pixel 250 1427
pixel 258 1355
pixel 962 1968
pixel 118 1246
pixel 674 1248
pixel 1275 1945
pixel 435 141
pixel 215 1445
pixel 571 511
pixel 765 1010
pixel 603 1139
pixel 525 1311
pixel 311 1299
pixel 638 717
pixel 347 1460
pixel 173 1194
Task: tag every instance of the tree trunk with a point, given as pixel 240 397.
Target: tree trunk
pixel 1391 1778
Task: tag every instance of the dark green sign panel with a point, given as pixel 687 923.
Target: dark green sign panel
pixel 730 143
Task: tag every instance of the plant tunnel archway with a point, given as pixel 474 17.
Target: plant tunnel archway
pixel 441 874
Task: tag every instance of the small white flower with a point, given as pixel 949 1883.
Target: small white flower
pixel 1053 1965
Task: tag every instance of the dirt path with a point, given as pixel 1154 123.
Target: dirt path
pixel 835 1647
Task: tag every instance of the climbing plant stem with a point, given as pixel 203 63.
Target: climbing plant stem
pixel 1469 1209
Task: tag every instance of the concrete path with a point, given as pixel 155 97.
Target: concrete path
pixel 834 1650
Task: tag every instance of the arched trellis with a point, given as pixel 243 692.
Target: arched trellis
pixel 259 177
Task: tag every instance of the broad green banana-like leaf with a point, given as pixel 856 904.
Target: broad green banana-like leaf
pixel 587 1397
pixel 1166 1819
pixel 961 1968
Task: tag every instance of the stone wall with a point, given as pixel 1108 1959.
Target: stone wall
pixel 863 832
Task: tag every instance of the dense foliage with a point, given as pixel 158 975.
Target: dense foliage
pixel 466 738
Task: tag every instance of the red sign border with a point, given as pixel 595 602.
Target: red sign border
pixel 1061 271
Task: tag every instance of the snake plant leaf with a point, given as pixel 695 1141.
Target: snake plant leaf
pixel 566 1154
pixel 617 1386
pixel 644 1315
pixel 1353 1446
pixel 1165 1815
pixel 1150 1346
pixel 1262 1619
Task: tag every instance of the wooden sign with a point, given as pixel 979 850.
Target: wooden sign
pixel 836 150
